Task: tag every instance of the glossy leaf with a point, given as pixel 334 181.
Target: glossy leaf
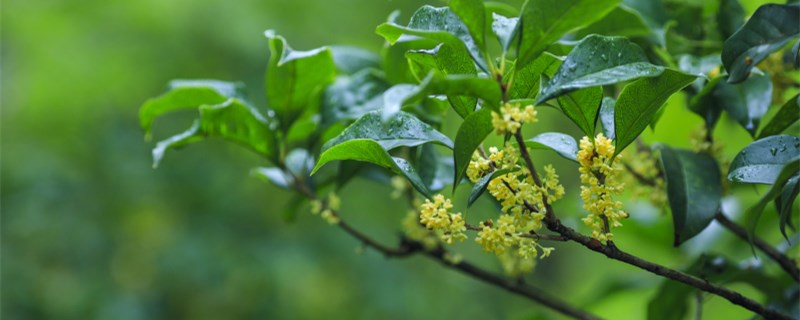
pixel 370 151
pixel 563 144
pixel 351 60
pixel 706 104
pixel 231 120
pixel 768 30
pixel 543 22
pixel 187 94
pixel 449 62
pixel 350 97
pixel 439 24
pixel 528 78
pixel 480 186
pixel 762 160
pixel 470 135
pixel 730 17
pixel 582 107
pixel 747 102
pixel 454 85
pixel 403 129
pixel 295 79
pixel 621 21
pixel 607 117
pixel 273 175
pixel 505 29
pixel 435 170
pixel 786 116
pixel 789 170
pixel 693 188
pixel 785 202
pixel 640 100
pixel 473 14
pixel 596 61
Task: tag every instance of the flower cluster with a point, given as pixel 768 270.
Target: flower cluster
pixel 414 230
pixel 327 210
pixel 511 118
pixel 600 178
pixel 436 215
pixel 644 165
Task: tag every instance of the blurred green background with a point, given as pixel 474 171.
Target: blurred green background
pixel 91 231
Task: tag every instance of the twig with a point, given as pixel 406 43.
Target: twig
pixel 771 252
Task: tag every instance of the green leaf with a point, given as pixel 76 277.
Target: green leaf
pixel 470 135
pixel 350 60
pixel 730 18
pixel 403 129
pixel 527 79
pixel 787 171
pixel 768 30
pixel 435 170
pixel 762 160
pixel 186 94
pixel 350 97
pixel 786 116
pixel 622 21
pixel 785 201
pixel 706 104
pixel 473 15
pixel 480 186
pixel 563 144
pixel 545 21
pixel 448 61
pixel 693 188
pixel 596 61
pixel 640 100
pixel 453 85
pixel 582 107
pixel 232 120
pixel 370 151
pixel 273 175
pixel 607 117
pixel 439 24
pixel 295 79
pixel 505 29
pixel 747 102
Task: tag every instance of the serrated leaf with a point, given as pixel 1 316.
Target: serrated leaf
pixel 480 186
pixel 350 97
pixel 403 129
pixel 470 135
pixel 768 30
pixel 607 117
pixel 545 21
pixel 187 94
pixel 473 15
pixel 786 116
pixel 370 151
pixel 762 160
pixel 562 144
pixel 294 79
pixel 596 61
pixel 640 100
pixel 621 21
pixel 747 102
pixel 582 106
pixel 693 188
pixel 350 60
pixel 439 24
pixel 232 120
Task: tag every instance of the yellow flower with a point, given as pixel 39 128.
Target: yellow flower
pixel 415 231
pixel 511 118
pixel 599 176
pixel 436 216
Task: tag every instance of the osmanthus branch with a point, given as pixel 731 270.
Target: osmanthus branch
pixel 784 261
pixel 612 252
pixel 409 247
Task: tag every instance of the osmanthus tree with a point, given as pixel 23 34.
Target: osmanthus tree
pixel 339 113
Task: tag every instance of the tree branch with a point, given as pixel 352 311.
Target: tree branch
pixel 773 253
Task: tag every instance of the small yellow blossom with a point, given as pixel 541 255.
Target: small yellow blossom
pixel 511 118
pixel 333 201
pixel 436 216
pixel 329 216
pixel 316 206
pixel 478 167
pixel 417 232
pixel 399 185
pixel 599 176
pixel 496 238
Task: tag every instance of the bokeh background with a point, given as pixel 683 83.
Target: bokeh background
pixel 91 231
